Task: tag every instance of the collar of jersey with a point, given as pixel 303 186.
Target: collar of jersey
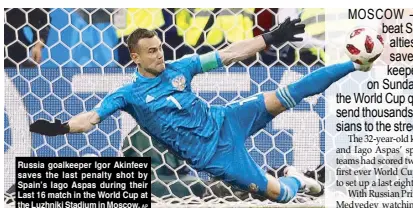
pixel 140 76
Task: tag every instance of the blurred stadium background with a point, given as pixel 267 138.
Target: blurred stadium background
pixel 84 56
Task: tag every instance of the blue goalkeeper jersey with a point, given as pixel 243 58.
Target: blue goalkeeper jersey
pixel 167 109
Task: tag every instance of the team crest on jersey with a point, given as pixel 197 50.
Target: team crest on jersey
pixel 179 82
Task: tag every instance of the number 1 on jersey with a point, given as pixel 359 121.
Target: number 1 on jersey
pixel 171 98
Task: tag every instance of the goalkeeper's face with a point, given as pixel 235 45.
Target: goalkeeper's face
pixel 150 55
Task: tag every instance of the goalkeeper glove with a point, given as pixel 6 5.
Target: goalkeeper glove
pixel 284 32
pixel 49 129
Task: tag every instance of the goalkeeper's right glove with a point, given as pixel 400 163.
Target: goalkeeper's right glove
pixel 49 129
pixel 284 32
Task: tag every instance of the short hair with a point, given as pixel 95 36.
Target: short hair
pixel 136 35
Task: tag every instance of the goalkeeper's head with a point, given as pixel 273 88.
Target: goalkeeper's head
pixel 145 49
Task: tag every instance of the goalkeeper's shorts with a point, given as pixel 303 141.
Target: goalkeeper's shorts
pixel 232 162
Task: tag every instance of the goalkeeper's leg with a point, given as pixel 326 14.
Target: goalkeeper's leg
pixel 284 189
pixel 233 164
pixel 312 84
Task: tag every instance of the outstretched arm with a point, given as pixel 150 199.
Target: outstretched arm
pixel 241 50
pixel 83 122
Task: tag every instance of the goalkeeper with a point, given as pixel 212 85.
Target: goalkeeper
pixel 212 138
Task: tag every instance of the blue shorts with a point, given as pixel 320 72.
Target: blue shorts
pixel 232 162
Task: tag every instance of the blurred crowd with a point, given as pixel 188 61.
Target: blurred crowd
pixel 97 37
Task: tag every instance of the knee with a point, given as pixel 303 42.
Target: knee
pixel 279 192
pixel 273 104
pixel 273 188
pixel 273 193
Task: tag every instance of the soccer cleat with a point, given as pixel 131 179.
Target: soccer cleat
pixel 314 188
pixel 362 67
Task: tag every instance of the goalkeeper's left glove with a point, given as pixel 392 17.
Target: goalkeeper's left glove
pixel 284 32
pixel 49 129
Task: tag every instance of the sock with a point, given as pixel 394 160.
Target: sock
pixel 288 189
pixel 312 84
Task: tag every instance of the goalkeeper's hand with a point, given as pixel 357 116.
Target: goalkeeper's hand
pixel 284 32
pixel 49 129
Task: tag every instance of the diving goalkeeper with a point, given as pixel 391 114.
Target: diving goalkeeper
pixel 212 138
